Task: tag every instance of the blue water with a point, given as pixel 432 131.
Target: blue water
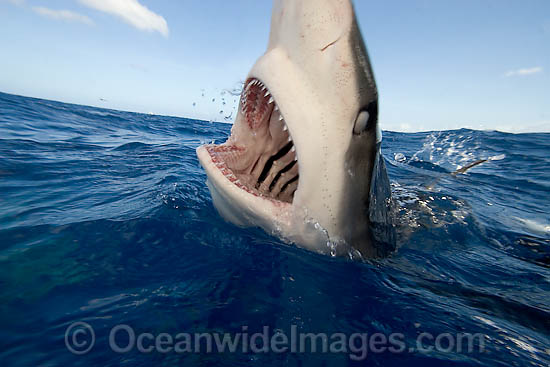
pixel 105 218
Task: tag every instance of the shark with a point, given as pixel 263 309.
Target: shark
pixel 303 159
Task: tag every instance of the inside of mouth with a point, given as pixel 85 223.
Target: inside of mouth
pixel 259 156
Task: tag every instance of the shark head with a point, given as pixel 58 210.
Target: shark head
pixel 303 153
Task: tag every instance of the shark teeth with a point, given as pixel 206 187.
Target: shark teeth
pixel 274 172
pixel 253 83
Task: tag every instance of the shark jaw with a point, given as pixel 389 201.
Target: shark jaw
pixel 303 159
pixel 259 157
pixel 254 176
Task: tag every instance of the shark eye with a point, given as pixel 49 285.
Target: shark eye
pixel 361 122
pixel 365 119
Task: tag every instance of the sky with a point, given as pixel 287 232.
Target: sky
pixel 439 64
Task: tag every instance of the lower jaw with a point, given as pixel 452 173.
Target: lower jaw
pixel 237 205
pixel 230 186
pixel 244 208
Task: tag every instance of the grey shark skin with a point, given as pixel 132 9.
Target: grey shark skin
pixel 303 159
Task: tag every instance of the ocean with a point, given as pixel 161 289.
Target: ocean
pixel 112 253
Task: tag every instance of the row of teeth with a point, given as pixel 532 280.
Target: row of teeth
pixel 264 89
pixel 271 100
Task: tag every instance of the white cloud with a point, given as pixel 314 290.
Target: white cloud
pixel 62 15
pixel 522 72
pixel 132 12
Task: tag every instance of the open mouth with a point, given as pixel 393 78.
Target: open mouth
pixel 259 157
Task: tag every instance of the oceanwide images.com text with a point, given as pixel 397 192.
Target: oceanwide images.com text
pixel 80 338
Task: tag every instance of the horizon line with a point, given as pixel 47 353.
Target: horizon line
pixel 231 123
